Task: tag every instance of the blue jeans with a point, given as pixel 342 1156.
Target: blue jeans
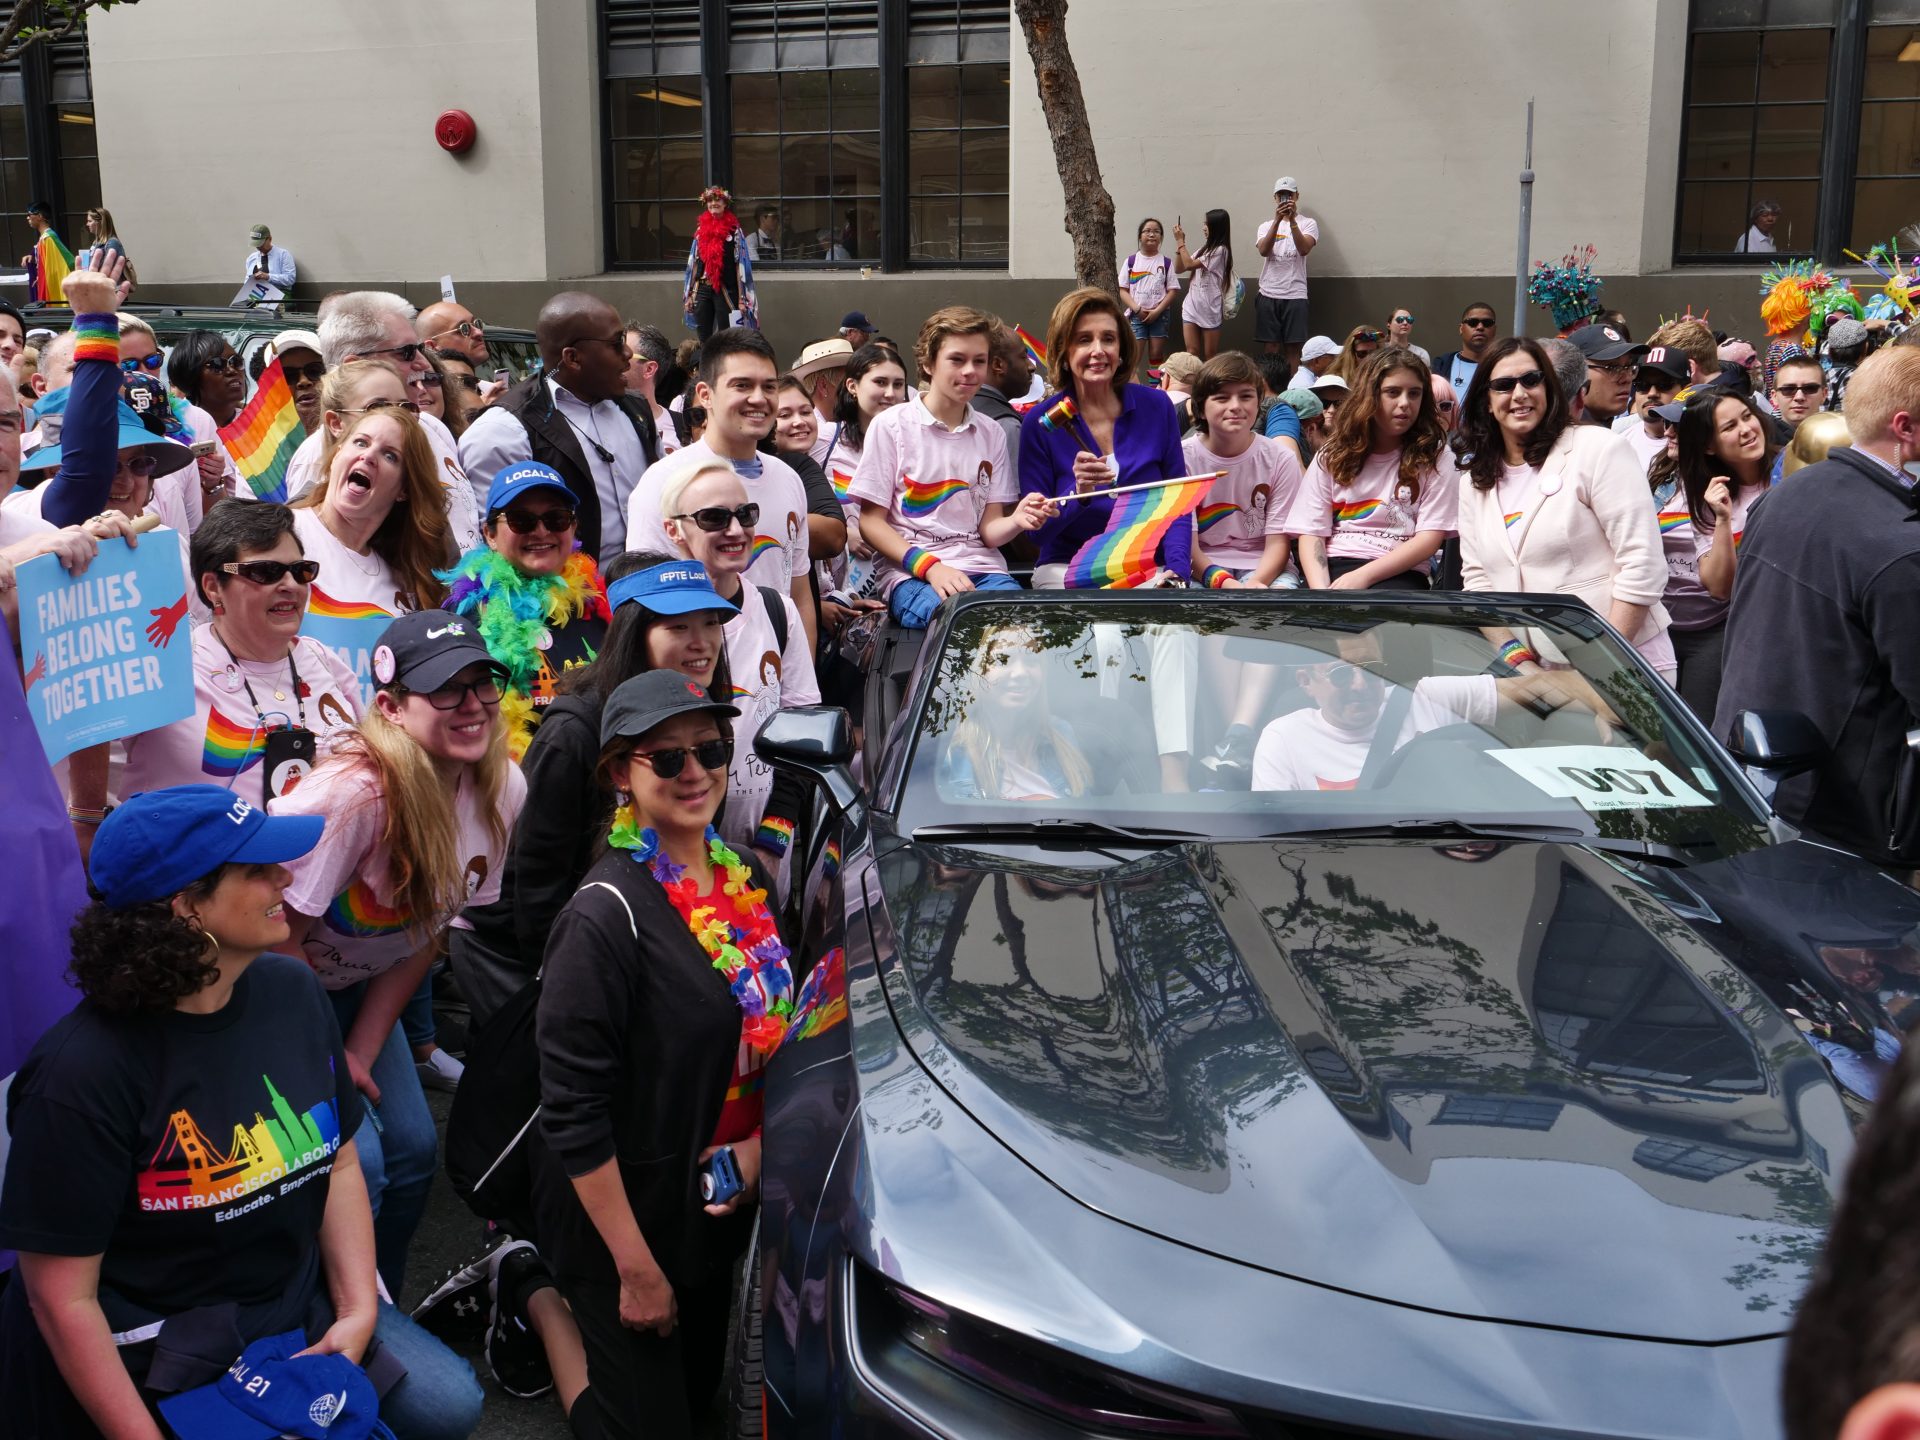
pixel 914 601
pixel 439 1399
pixel 399 1149
pixel 1158 329
pixel 417 1018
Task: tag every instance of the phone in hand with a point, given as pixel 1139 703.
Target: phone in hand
pixel 720 1180
pixel 203 448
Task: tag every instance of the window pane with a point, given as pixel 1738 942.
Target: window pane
pixel 1890 142
pixel 1799 202
pixel 1719 143
pixel 18 186
pixel 801 222
pixel 803 165
pixel 76 131
pixel 13 134
pixel 1890 12
pixel 933 97
pixel 637 239
pixel 856 164
pixel 1881 209
pixel 634 177
pixel 1723 67
pixel 983 227
pixel 1800 12
pixel 803 100
pixel 1793 65
pixel 756 108
pixel 682 167
pixel 856 99
pixel 1888 76
pixel 983 160
pixel 933 162
pixel 983 94
pixel 756 165
pixel 680 104
pixel 860 227
pixel 1713 216
pixel 933 226
pixel 1788 142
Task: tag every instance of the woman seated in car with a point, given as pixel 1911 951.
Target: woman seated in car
pixel 1008 746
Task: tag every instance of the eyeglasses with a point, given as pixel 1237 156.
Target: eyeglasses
pixel 466 382
pixel 618 344
pixel 558 520
pixel 231 364
pixel 1444 405
pixel 1615 370
pixel 468 328
pixel 412 407
pixel 426 379
pixel 454 695
pixel 1794 390
pixel 1506 384
pixel 715 518
pixel 145 362
pixel 1345 677
pixel 140 464
pixel 1476 322
pixel 268 572
pixel 716 754
pixel 314 373
pixel 407 353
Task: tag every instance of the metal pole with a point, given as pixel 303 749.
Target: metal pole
pixel 1526 233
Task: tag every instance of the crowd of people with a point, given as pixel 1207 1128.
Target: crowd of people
pixel 529 770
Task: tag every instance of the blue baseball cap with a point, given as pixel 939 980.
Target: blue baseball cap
pixel 515 480
pixel 678 587
pixel 169 455
pixel 273 1390
pixel 160 842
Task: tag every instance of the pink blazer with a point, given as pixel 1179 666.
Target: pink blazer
pixel 1594 534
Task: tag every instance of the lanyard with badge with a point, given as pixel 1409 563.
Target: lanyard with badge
pixel 290 749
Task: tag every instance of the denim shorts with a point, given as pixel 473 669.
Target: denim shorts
pixel 1159 330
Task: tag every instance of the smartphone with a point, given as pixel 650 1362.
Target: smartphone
pixel 720 1181
pixel 203 448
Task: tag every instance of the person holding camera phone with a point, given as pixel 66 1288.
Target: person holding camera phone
pixel 1284 242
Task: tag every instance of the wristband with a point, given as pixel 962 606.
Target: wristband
pixel 1215 577
pixel 96 337
pixel 775 834
pixel 82 815
pixel 919 563
pixel 1515 653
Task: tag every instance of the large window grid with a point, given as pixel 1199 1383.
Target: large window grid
pixel 655 113
pixel 1808 105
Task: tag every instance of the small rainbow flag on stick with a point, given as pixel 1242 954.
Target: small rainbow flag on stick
pixel 1036 352
pixel 52 263
pixel 263 437
pixel 1121 556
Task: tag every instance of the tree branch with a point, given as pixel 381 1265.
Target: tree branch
pixel 18 35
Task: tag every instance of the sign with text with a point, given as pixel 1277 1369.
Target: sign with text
pixel 106 653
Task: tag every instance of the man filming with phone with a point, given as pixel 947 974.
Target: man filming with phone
pixel 1284 242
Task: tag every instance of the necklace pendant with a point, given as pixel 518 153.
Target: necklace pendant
pixel 279 694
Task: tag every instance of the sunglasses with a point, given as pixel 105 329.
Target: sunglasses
pixel 557 521
pixel 142 464
pixel 1403 319
pixel 1345 677
pixel 268 572
pixel 230 364
pixel 1799 389
pixel 468 328
pixel 1627 369
pixel 426 380
pixel 146 362
pixel 1476 323
pixel 314 373
pixel 412 407
pixel 715 518
pixel 709 754
pixel 1368 335
pixel 1444 405
pixel 407 353
pixel 1506 384
pixel 466 382
pixel 453 696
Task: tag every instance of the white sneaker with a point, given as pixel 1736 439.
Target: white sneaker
pixel 440 1071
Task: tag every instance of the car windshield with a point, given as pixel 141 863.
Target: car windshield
pixel 1226 718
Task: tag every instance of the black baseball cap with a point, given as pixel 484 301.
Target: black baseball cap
pixel 1668 362
pixel 653 697
pixel 1603 343
pixel 427 648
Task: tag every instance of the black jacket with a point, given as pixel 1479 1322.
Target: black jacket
pixel 555 443
pixel 1823 622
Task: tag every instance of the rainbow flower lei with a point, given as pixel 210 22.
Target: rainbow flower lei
pixel 746 950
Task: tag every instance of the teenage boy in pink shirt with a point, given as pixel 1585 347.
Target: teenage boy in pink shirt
pixel 936 494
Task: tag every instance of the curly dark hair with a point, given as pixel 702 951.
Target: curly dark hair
pixel 1479 446
pixel 141 957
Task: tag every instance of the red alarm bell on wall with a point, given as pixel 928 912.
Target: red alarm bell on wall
pixel 455 131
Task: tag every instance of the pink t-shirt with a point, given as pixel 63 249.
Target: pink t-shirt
pixel 1689 603
pixel 1302 750
pixel 780 539
pixel 345 881
pixel 1247 504
pixel 936 484
pixel 222 742
pixel 1377 512
pixel 1518 491
pixel 765 678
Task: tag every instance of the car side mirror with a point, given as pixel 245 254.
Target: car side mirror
pixel 816 741
pixel 1777 742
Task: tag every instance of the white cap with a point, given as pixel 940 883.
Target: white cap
pixel 1329 382
pixel 1318 346
pixel 1287 183
pixel 297 340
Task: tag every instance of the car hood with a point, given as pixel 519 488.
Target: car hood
pixel 1498 1081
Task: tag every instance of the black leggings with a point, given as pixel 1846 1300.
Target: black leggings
pixel 1699 653
pixel 711 311
pixel 638 1383
pixel 1338 565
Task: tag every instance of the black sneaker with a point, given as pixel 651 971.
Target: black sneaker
pixel 456 1308
pixel 1233 756
pixel 514 1352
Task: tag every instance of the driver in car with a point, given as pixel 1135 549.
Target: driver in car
pixel 1325 747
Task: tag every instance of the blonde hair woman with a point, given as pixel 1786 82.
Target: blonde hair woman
pixel 379 497
pixel 418 802
pixel 1008 745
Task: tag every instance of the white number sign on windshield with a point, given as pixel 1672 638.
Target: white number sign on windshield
pixel 1600 777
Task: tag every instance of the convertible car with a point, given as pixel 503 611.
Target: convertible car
pixel 1456 1053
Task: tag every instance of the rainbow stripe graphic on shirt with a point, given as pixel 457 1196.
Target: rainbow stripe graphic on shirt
pixel 1671 520
pixel 356 910
pixel 1134 277
pixel 761 545
pixel 230 749
pixel 321 603
pixel 1212 515
pixel 1514 517
pixel 920 498
pixel 840 480
pixel 1354 510
pixel 190 1172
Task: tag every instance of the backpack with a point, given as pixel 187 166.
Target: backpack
pixel 777 616
pixel 1231 297
pixel 496 1105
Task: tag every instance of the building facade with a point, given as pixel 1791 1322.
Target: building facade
pixel 901 153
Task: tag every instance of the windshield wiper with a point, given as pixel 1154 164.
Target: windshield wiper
pixel 1051 829
pixel 1446 827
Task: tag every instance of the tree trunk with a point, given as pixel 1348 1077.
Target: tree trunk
pixel 1089 206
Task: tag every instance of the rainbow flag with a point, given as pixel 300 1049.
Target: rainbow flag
pixel 840 480
pixel 263 437
pixel 1121 556
pixel 1036 352
pixel 52 263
